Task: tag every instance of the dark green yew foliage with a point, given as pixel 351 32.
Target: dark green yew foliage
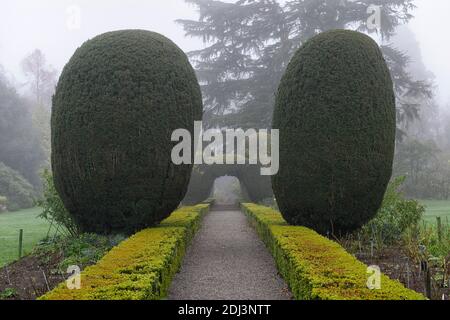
pixel 117 102
pixel 200 185
pixel 335 109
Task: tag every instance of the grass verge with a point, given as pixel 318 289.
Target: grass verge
pixel 436 208
pixel 315 267
pixel 141 267
pixel 34 228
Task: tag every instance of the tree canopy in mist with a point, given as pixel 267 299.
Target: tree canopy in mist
pixel 250 43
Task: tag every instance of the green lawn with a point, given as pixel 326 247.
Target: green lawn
pixel 435 208
pixel 34 230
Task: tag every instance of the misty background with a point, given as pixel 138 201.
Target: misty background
pixel 37 38
pixel 46 24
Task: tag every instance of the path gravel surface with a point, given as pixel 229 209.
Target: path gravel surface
pixel 228 261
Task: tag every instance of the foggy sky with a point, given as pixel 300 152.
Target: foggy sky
pixel 46 24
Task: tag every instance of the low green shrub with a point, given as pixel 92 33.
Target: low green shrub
pixel 81 250
pixel 8 293
pixel 315 267
pixel 396 215
pixel 141 267
pixel 53 209
pixel 426 243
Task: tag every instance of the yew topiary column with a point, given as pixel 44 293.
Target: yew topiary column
pixel 116 105
pixel 335 109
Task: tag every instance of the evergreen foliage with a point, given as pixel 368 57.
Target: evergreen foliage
pixel 249 43
pixel 335 108
pixel 118 100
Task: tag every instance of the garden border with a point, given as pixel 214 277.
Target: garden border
pixel 316 268
pixel 141 267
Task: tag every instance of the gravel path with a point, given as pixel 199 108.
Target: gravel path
pixel 227 261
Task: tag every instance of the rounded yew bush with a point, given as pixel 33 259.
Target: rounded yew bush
pixel 117 102
pixel 335 109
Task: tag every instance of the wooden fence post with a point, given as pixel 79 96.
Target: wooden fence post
pixel 428 284
pixel 20 243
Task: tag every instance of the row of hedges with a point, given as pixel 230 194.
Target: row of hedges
pixel 315 267
pixel 141 267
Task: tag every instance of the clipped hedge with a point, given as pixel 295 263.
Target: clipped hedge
pixel 117 103
pixel 315 267
pixel 141 267
pixel 335 109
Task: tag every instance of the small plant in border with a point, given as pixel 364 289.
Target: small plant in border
pixel 54 210
pixel 8 293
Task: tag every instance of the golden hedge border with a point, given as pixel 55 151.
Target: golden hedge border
pixel 141 267
pixel 316 268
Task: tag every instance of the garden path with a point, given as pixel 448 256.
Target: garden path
pixel 228 261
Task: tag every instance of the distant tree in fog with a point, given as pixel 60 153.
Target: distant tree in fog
pixel 250 42
pixel 19 142
pixel 41 77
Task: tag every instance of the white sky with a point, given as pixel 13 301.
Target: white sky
pixel 431 26
pixel 29 24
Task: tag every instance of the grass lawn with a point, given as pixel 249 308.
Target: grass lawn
pixel 435 208
pixel 34 230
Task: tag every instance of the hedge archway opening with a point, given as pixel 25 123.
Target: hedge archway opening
pixel 227 190
pixel 254 186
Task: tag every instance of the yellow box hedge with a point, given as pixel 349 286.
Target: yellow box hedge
pixel 316 268
pixel 141 267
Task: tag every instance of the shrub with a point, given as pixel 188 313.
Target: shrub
pixel 395 216
pixel 335 109
pixel 8 293
pixel 53 208
pixel 18 191
pixel 116 105
pixel 141 267
pixel 316 268
pixel 81 250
